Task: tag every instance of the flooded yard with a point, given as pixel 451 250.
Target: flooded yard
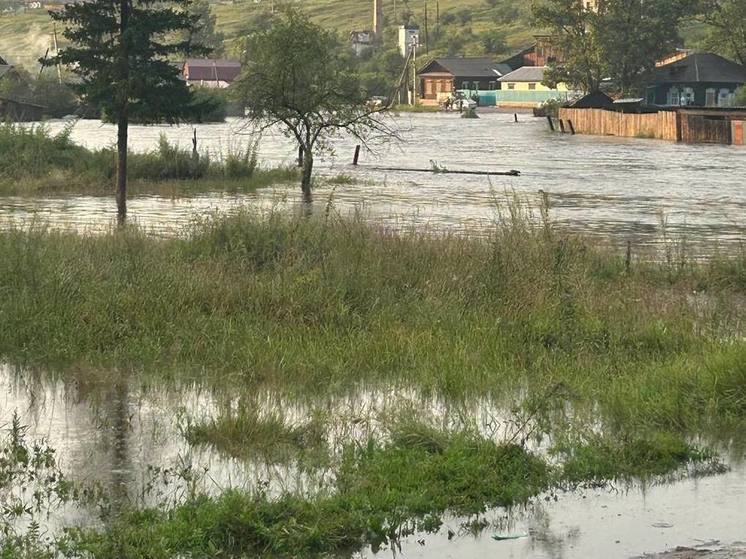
pixel 613 188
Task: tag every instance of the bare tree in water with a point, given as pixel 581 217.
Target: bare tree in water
pixel 299 77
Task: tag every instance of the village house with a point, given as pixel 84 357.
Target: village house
pixel 542 53
pixel 524 87
pixel 442 77
pixel 211 73
pixel 13 106
pixel 695 79
pixel 361 41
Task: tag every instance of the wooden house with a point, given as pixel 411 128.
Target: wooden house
pixel 18 110
pixel 696 79
pixel 594 100
pixel 211 73
pixel 14 103
pixel 542 53
pixel 443 76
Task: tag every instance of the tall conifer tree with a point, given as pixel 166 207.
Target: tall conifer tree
pixel 125 53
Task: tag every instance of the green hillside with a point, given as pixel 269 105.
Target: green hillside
pixel 466 26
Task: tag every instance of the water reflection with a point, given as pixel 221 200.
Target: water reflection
pixel 610 523
pixel 112 429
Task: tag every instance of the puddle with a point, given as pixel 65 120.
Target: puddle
pixel 116 434
pixel 610 523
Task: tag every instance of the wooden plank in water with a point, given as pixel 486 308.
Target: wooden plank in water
pixel 439 171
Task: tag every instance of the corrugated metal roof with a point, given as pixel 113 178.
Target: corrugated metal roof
pixel 701 67
pixel 525 74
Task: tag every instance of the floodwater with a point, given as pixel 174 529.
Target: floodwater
pixel 116 434
pixel 619 189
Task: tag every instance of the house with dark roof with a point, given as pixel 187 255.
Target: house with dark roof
pixel 696 79
pixel 207 72
pixel 543 52
pixel 442 77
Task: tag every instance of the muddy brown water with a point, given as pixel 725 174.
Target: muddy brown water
pixel 116 435
pixel 616 188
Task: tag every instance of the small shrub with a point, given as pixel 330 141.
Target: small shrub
pixel 240 163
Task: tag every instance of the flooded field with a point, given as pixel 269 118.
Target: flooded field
pixel 126 436
pixel 345 380
pixel 623 189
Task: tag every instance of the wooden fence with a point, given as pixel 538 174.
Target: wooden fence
pixel 738 132
pixel 699 129
pixel 663 125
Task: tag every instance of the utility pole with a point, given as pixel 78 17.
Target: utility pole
pixel 378 18
pixel 427 37
pixel 415 40
pixel 56 51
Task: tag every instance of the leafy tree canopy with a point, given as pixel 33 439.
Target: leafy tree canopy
pixel 620 41
pixel 300 77
pixel 726 20
pixel 124 56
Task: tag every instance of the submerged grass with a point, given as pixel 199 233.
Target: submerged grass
pixel 601 459
pixel 247 434
pixel 318 305
pixel 383 491
pixel 43 163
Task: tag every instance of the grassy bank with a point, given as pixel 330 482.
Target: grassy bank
pixel 620 362
pixel 44 164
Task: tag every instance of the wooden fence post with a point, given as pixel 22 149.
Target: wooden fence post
pixel 628 258
pixel 572 128
pixel 562 126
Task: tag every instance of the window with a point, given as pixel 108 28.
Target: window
pixel 710 98
pixel 493 86
pixel 465 85
pixel 532 86
pixel 687 95
pixel 725 98
pixel 511 86
pixel 674 96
